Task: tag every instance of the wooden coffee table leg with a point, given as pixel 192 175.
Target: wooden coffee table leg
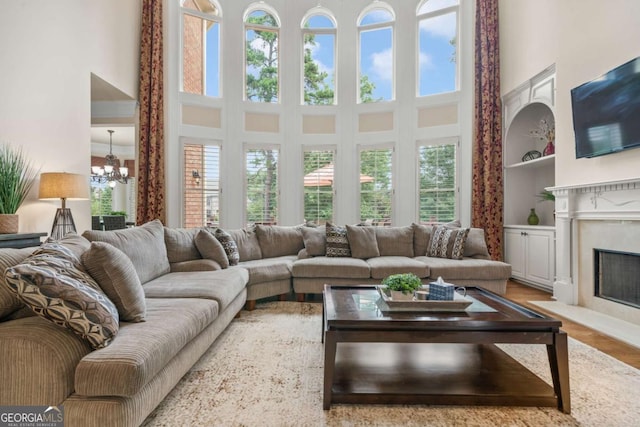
pixel 558 353
pixel 329 366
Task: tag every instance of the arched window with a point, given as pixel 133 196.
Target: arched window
pixel 201 47
pixel 319 58
pixel 262 49
pixel 437 46
pixel 376 53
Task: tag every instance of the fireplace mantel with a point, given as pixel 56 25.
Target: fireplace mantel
pixel 606 201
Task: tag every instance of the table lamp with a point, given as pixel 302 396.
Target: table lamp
pixel 63 186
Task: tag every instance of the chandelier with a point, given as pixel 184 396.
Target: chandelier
pixel 111 172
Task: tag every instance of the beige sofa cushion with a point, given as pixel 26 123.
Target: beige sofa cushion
pixel 395 241
pixel 9 301
pixel 247 242
pixel 384 266
pixel 278 241
pixel 421 238
pixel 466 268
pixel 342 267
pixel 144 349
pixel 315 240
pixel 144 245
pixel 222 286
pixel 195 265
pixel 210 248
pixel 117 277
pixel 362 241
pixel 269 269
pixel 74 242
pixel 180 244
pixel 476 245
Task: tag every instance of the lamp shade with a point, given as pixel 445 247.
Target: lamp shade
pixel 62 185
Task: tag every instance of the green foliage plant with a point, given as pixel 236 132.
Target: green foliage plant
pixel 17 176
pixel 403 282
pixel 121 213
pixel 546 195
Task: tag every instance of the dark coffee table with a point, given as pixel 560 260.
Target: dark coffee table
pixel 439 358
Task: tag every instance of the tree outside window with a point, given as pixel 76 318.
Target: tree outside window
pixel 318 185
pixel 319 38
pixel 261 57
pixel 261 186
pixel 376 190
pixel 437 182
pixel 376 61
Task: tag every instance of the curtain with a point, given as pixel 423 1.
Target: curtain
pixel 151 170
pixel 487 189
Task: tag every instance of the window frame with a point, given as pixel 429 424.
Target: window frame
pixel 377 5
pixel 376 147
pixel 433 14
pixel 320 11
pixel 268 9
pixel 455 141
pixel 207 17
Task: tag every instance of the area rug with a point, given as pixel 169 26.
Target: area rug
pixel 266 370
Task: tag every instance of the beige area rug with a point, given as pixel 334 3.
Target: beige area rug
pixel 266 370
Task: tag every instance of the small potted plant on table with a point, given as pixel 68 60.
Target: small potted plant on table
pixel 402 286
pixel 17 176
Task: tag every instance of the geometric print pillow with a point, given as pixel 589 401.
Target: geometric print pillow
pixel 229 245
pixel 58 291
pixel 337 241
pixel 447 242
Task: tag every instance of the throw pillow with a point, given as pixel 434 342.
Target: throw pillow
pixel 144 245
pixel 229 245
pixel 362 241
pixel 56 249
pixel 447 242
pixel 395 241
pixel 72 241
pixel 210 248
pixel 475 246
pixel 180 244
pixel 117 278
pixel 9 302
pixel 315 240
pixel 337 241
pixel 58 291
pixel 247 242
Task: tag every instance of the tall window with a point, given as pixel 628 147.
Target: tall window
pixel 376 63
pixel 201 184
pixel 101 199
pixel 319 51
pixel 201 47
pixel 437 46
pixel 262 51
pixel 261 171
pixel 437 182
pixel 376 185
pixel 318 185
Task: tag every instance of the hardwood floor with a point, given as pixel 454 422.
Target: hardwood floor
pixel 626 353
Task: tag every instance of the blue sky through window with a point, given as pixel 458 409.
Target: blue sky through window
pixel 212 74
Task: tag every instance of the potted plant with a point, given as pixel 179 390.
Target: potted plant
pixel 17 176
pixel 402 286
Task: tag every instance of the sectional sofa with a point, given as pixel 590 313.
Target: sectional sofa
pixel 139 306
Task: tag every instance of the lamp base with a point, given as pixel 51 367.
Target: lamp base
pixel 62 224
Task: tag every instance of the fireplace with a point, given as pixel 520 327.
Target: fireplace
pixel 617 276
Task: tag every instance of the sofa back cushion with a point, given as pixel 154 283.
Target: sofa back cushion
pixel 362 241
pixel 315 240
pixel 247 242
pixel 395 241
pixel 180 244
pixel 476 245
pixel 144 245
pixel 9 302
pixel 421 238
pixel 210 248
pixel 276 240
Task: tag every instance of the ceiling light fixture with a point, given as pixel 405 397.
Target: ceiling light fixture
pixel 111 172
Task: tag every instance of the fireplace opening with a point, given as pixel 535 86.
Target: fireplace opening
pixel 617 276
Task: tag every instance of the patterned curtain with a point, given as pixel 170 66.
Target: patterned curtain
pixel 151 173
pixel 487 191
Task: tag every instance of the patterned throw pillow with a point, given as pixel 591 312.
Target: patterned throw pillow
pixel 229 245
pixel 58 291
pixel 447 242
pixel 337 241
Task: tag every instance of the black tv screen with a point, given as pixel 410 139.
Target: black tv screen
pixel 606 112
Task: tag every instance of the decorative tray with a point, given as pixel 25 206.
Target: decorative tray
pixel 387 304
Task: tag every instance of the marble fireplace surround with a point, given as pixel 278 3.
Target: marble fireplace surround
pixel 600 215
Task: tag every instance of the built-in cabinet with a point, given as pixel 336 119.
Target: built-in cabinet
pixel 531 253
pixel 530 249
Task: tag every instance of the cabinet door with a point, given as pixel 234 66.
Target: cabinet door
pixel 539 253
pixel 514 253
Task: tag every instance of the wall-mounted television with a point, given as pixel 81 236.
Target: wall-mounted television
pixel 606 112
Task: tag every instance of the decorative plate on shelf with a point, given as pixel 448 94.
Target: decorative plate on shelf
pixel 530 155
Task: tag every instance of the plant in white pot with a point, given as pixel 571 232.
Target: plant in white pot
pixel 402 286
pixel 17 176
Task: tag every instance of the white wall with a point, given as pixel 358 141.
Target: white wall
pixel 584 38
pixel 47 52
